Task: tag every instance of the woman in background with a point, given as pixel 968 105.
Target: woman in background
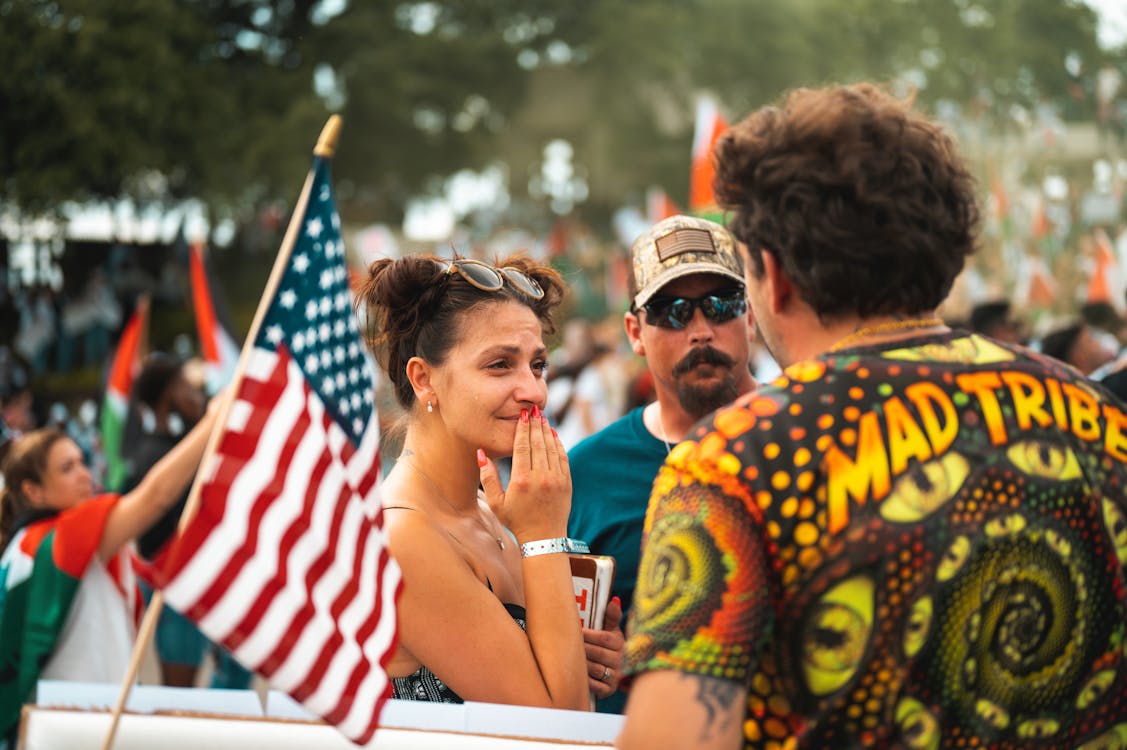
pixel 68 599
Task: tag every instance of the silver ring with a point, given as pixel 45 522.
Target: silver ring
pixel 606 674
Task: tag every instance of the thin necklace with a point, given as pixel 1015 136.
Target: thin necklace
pixel 438 492
pixel 664 434
pixel 898 325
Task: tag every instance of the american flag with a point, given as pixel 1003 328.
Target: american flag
pixel 285 563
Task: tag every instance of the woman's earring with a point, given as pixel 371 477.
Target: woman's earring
pixel 430 407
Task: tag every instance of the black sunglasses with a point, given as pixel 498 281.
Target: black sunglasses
pixel 676 312
pixel 485 277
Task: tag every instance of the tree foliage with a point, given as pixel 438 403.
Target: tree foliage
pixel 222 99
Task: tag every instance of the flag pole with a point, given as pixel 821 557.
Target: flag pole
pixel 325 149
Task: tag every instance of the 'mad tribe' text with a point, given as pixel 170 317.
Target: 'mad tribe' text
pixel 923 423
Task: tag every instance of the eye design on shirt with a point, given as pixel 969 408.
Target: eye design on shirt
pixel 1095 689
pixel 837 634
pixel 1117 528
pixel 917 626
pixel 992 713
pixel 919 729
pixel 953 559
pixel 1045 460
pixel 1007 525
pixel 924 489
pixel 1037 728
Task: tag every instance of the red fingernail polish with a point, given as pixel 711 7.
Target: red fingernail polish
pixel 554 433
pixel 524 416
pixel 616 600
pixel 481 459
pixel 535 411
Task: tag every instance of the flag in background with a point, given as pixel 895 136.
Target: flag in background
pixel 1035 288
pixel 285 563
pixel 1107 283
pixel 659 205
pixel 710 125
pixel 40 573
pixel 123 369
pixel 1002 209
pixel 220 352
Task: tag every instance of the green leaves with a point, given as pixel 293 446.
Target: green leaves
pixel 217 97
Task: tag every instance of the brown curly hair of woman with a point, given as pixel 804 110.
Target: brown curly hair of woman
pixel 415 308
pixel 864 203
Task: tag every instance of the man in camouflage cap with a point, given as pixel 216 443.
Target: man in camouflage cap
pixel 689 318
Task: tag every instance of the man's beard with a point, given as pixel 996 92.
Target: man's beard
pixel 696 399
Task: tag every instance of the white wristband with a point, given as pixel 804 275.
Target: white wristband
pixel 548 546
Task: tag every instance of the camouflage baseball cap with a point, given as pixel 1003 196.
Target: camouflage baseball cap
pixel 681 246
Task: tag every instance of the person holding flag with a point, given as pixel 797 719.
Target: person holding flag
pixel 68 599
pixel 487 611
pixel 281 556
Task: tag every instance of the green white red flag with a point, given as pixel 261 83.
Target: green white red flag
pixel 40 572
pixel 126 363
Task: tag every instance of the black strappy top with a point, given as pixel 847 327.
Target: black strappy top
pixel 423 684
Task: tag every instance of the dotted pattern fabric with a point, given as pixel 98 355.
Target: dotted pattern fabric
pixel 920 547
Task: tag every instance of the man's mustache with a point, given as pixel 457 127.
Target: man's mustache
pixel 702 355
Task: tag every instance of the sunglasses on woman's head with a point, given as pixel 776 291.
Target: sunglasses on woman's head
pixel 485 277
pixel 676 312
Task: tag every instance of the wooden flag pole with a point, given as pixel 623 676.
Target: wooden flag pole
pixel 325 148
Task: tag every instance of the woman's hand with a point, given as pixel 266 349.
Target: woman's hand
pixel 538 499
pixel 606 652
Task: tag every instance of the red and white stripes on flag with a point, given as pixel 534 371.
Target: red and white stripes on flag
pixel 284 563
pixel 280 565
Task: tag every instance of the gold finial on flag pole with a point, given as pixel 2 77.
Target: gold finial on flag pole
pixel 327 143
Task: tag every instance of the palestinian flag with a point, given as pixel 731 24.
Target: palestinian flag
pixel 219 349
pixel 126 363
pixel 40 573
pixel 710 125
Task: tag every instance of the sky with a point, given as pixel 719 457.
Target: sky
pixel 1113 20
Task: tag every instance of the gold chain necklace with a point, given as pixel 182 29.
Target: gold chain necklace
pixel 898 325
pixel 454 508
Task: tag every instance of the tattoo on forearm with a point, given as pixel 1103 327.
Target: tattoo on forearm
pixel 717 698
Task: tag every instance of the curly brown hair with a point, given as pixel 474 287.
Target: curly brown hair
pixel 415 309
pixel 865 204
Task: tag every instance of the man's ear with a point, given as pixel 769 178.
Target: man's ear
pixel 751 334
pixel 634 332
pixel 778 285
pixel 419 374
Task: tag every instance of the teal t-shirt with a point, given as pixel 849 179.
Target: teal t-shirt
pixel 612 473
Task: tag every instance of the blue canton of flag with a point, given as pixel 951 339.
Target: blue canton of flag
pixel 312 315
